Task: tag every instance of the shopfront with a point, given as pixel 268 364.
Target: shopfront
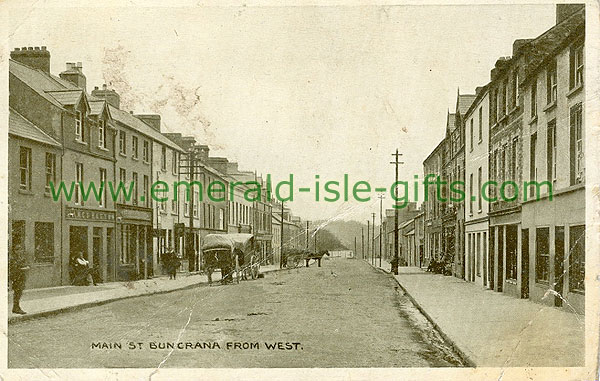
pixel 134 231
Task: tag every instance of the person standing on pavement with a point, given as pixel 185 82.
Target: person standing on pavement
pixel 17 274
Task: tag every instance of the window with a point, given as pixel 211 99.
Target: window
pixel 551 83
pixel 221 219
pixel 122 181
pixel 532 168
pixel 122 145
pixel 174 163
pixel 471 135
pixel 576 145
pixel 196 200
pixel 78 125
pixel 505 98
pixel 44 242
pixel 471 194
pixel 551 151
pixel 145 194
pixel 134 178
pixel 102 133
pixel 480 124
pixel 163 158
pixel 78 183
pixel 103 185
pixel 25 168
pixel 493 107
pixel 146 152
pixel 576 66
pixel 174 207
pixel 515 88
pixel 534 98
pixel 50 170
pixel 542 254
pixel 479 180
pixel 577 258
pixel 513 159
pixel 134 147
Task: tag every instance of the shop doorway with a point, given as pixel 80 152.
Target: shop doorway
pixel 559 268
pixel 525 263
pixel 78 241
pixel 97 251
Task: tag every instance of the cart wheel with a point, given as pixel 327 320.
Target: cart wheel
pixel 254 266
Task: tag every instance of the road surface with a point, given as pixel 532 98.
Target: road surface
pixel 343 314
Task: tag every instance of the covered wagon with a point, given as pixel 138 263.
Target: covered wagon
pixel 234 254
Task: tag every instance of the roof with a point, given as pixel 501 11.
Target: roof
pixel 463 102
pixel 21 127
pixel 96 106
pixel 480 94
pixel 67 97
pixel 134 123
pixel 544 46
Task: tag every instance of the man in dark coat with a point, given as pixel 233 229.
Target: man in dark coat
pixel 17 273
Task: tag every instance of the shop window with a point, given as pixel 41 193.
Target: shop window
pixel 542 254
pixel 577 258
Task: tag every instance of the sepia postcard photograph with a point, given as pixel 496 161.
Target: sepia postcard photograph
pixel 300 190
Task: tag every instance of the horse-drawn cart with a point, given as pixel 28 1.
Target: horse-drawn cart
pixel 233 254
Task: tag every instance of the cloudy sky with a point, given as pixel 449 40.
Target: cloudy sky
pixel 292 90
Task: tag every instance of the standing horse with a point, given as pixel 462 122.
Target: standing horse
pixel 316 256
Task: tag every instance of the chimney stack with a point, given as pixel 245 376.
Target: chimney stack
pixel 110 96
pixel 153 120
pixel 74 74
pixel 37 58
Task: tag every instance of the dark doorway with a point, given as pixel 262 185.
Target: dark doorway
pixel 78 241
pixel 525 263
pixel 492 261
pixel 559 268
pixel 500 282
pixel 97 250
pixel 110 255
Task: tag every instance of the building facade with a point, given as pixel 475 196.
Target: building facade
pixel 553 222
pixel 476 206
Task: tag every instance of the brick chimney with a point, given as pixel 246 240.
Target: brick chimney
pixel 153 120
pixel 33 57
pixel 518 44
pixel 204 150
pixel 563 11
pixel 74 74
pixel 110 96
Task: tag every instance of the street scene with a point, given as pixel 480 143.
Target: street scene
pixel 343 314
pixel 300 187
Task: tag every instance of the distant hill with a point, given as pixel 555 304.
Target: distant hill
pixel 345 231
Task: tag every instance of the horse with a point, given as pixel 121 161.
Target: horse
pixel 316 256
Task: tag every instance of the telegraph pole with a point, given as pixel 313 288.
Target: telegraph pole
pixel 373 243
pixel 281 240
pixel 368 233
pixel 362 242
pixel 396 259
pixel 381 197
pixel 307 231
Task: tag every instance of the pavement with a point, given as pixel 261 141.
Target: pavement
pixel 42 302
pixel 493 329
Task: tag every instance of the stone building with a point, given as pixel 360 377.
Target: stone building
pixel 476 206
pixel 59 107
pixel 553 222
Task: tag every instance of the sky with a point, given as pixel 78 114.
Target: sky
pixel 300 90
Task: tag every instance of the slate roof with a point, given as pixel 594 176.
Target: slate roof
pixel 96 106
pixel 463 102
pixel 134 123
pixel 546 45
pixel 67 97
pixel 21 127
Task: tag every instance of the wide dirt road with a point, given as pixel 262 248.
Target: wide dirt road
pixel 344 314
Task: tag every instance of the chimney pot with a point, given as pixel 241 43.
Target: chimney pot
pixel 30 48
pixel 95 87
pixel 104 86
pixel 17 49
pixel 43 48
pixel 37 48
pixel 24 48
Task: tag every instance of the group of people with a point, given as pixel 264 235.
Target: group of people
pixel 170 262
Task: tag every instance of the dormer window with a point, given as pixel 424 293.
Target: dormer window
pixel 78 126
pixel 102 133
